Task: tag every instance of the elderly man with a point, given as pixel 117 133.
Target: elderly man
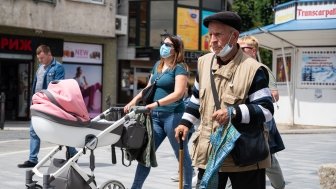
pixel 242 84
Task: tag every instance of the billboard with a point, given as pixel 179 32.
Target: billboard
pixel 83 62
pixel 318 67
pixel 89 78
pixel 205 34
pixel 82 53
pixel 187 27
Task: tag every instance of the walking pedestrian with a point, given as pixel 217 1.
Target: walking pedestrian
pixel 168 105
pixel 242 85
pixel 250 46
pixel 48 70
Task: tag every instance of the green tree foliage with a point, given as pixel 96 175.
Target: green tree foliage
pixel 257 13
pixel 254 13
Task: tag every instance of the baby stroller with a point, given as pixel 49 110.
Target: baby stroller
pixel 59 116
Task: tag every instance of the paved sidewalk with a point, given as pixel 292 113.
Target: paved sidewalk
pixel 284 129
pixel 16 125
pixel 304 154
pixel 301 129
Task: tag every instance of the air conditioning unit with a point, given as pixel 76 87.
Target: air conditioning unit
pixel 121 25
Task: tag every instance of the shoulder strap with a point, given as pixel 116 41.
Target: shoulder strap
pixel 159 76
pixel 213 87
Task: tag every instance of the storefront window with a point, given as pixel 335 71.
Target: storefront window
pixel 213 4
pixel 47 1
pixel 85 1
pixel 137 23
pixel 23 72
pixel 162 18
pixel 14 84
pixel 83 62
pixel 134 77
pixel 188 3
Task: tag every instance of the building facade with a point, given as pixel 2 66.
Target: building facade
pixel 81 33
pixel 147 20
pixel 114 42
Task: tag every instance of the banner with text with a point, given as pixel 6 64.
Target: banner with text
pixel 318 67
pixel 82 53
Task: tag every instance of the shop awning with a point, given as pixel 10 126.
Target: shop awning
pixel 296 33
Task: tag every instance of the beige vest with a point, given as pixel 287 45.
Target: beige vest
pixel 233 82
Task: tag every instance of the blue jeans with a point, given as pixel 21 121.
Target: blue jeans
pixel 35 143
pixel 164 125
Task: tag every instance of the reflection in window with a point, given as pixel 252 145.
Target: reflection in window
pixel 213 4
pixel 189 2
pixel 85 1
pixel 162 17
pixel 137 27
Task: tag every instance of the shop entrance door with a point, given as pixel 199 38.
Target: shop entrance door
pixel 140 81
pixel 15 83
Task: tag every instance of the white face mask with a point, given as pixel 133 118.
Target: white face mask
pixel 226 49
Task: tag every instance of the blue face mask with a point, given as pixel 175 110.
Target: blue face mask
pixel 165 51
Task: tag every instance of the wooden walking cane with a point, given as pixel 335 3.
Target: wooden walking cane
pixel 181 155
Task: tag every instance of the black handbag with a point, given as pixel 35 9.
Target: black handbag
pixel 133 135
pixel 251 147
pixel 149 92
pixel 133 140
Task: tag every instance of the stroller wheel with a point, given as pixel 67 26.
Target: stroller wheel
pixel 112 184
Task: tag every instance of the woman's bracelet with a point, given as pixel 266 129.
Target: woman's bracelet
pixel 158 103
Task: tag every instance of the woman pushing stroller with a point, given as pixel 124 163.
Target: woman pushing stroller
pixel 171 76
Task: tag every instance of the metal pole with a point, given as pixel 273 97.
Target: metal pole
pixel 2 110
pixel 284 63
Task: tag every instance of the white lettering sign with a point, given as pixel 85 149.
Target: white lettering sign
pixel 83 53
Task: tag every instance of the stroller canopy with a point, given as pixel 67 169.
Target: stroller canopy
pixel 62 99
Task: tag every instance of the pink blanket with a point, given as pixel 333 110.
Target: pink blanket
pixel 62 99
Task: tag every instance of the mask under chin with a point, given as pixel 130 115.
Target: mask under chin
pixel 225 50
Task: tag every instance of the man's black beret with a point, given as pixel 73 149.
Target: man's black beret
pixel 229 18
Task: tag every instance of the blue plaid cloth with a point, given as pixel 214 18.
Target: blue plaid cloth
pixel 222 142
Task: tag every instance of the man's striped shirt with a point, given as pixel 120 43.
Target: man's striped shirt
pixel 258 107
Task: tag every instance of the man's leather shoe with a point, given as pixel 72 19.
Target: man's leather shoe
pixel 27 164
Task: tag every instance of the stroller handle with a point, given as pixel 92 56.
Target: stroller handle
pixel 141 109
pixel 118 112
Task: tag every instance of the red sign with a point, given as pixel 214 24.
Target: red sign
pixel 10 44
pixel 28 44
